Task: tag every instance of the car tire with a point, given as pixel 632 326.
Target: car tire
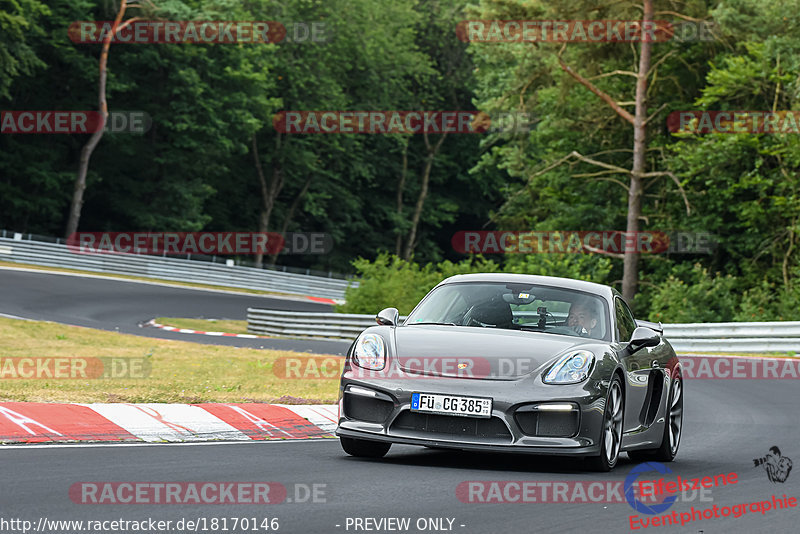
pixel 673 428
pixel 611 433
pixel 362 448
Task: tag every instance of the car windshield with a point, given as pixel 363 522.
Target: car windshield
pixel 514 306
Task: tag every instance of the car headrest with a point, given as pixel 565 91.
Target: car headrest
pixel 495 311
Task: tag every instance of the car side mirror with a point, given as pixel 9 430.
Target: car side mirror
pixel 643 337
pixel 388 317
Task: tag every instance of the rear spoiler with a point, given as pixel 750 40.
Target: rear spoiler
pixel 652 326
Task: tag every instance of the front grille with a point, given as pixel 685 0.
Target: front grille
pixel 367 409
pixel 448 426
pixel 547 424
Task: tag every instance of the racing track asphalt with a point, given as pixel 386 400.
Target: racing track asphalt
pixel 120 306
pixel 728 423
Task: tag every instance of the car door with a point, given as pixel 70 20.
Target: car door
pixel 638 368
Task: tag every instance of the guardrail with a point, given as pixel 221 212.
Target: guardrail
pixel 779 336
pixel 345 326
pixel 710 337
pixel 173 269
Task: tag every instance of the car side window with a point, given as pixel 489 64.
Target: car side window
pixel 625 322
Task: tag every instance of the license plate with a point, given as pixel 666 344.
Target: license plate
pixel 451 405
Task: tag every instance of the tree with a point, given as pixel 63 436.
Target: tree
pixel 18 19
pixel 571 129
pixel 102 105
pixel 639 120
pixel 747 186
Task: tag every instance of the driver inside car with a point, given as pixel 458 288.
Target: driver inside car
pixel 582 318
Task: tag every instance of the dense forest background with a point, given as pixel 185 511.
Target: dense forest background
pixel 213 161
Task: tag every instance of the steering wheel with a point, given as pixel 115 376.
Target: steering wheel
pixel 468 320
pixel 581 331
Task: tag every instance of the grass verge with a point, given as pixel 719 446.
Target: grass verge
pixel 177 371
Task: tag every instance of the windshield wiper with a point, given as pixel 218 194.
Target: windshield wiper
pixel 431 322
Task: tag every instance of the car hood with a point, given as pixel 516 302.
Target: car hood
pixel 487 353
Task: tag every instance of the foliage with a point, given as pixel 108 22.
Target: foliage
pixel 589 267
pixel 390 281
pixel 769 303
pixel 194 169
pixel 17 19
pixel 697 297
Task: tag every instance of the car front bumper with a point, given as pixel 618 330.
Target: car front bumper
pixel 381 411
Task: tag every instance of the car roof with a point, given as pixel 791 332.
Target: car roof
pixel 606 292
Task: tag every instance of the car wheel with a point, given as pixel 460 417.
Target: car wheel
pixel 611 436
pixel 673 426
pixel 364 448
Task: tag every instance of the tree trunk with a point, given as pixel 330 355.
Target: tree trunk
pixel 102 105
pixel 269 191
pixel 401 184
pixel 630 271
pixel 423 194
pixel 290 214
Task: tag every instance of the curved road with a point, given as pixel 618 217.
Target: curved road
pixel 728 423
pixel 121 306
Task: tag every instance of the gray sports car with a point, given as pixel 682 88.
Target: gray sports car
pixel 505 362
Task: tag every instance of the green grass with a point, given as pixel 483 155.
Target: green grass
pixel 179 371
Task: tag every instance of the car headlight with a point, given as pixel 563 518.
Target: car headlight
pixel 370 352
pixel 571 368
